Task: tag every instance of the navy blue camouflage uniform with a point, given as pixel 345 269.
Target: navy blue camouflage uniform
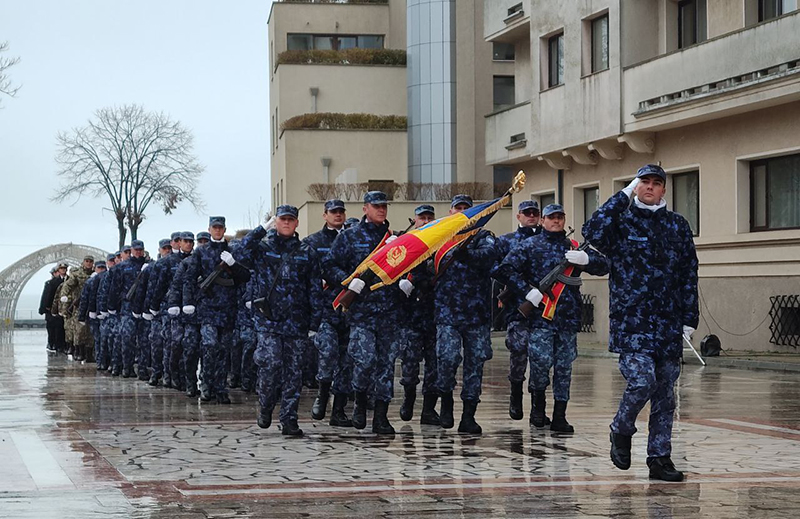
pixel 88 307
pixel 123 278
pixel 332 335
pixel 374 342
pixel 517 328
pixel 653 292
pixel 246 334
pixel 215 310
pixel 287 277
pixel 420 341
pixel 173 329
pixel 184 331
pixel 155 301
pixel 463 315
pixel 551 343
pixel 107 322
pixel 143 325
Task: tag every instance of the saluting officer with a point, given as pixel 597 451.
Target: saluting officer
pixel 653 291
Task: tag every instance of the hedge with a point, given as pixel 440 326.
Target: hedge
pixel 337 121
pixel 391 57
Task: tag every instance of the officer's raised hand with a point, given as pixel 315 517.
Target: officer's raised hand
pixel 630 188
pixel 577 257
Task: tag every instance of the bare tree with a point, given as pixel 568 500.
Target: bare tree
pixel 5 64
pixel 136 158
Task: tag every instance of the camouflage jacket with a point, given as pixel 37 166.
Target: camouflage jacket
pixel 321 242
pixel 121 282
pixel 505 244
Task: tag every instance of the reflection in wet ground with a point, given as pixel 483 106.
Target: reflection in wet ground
pixel 77 444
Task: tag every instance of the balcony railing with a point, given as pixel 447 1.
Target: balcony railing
pixel 507 133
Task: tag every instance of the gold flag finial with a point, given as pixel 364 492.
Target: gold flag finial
pixel 519 182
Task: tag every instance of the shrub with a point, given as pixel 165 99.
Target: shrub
pixel 337 121
pixel 344 57
pixel 409 191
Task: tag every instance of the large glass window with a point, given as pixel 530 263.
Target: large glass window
pixel 691 22
pixel 299 42
pixel 545 199
pixel 555 60
pixel 600 43
pixel 775 193
pixel 769 9
pixel 370 42
pixel 333 41
pixel 503 51
pixel 686 198
pixel 591 200
pixel 503 92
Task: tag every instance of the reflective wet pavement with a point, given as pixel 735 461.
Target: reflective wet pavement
pixel 77 444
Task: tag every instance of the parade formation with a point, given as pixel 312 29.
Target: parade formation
pixel 257 312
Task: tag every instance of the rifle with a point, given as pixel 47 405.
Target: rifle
pixel 131 291
pixel 207 282
pixel 548 282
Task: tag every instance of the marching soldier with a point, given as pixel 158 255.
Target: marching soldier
pixel 335 368
pixel 517 329
pixel 71 290
pixel 185 331
pixel 46 307
pixel 88 309
pixel 653 291
pixel 287 281
pixel 463 321
pixel 156 301
pixel 119 302
pixel 215 306
pixel 156 313
pixel 373 343
pixel 203 237
pixel 103 354
pixel 173 355
pixel 553 329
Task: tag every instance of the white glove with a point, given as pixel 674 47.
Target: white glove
pixel 144 267
pixel 534 296
pixel 248 305
pixel 356 286
pixel 82 323
pixel 147 316
pixel 153 312
pixel 688 331
pixel 188 309
pixel 174 310
pixel 93 274
pixel 92 315
pixel 628 190
pixel 137 316
pixel 311 334
pixel 390 239
pixel 112 312
pixel 270 223
pixel 577 257
pixel 63 299
pixel 406 286
pixel 227 257
pixel 103 315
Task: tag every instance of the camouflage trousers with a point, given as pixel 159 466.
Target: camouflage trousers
pixel 214 341
pixel 476 342
pixel 173 350
pixel 235 355
pixel 310 364
pixel 374 354
pixel 650 378
pixel 97 338
pixel 419 345
pixel 246 341
pixel 125 347
pixel 191 352
pixel 335 365
pixel 157 326
pixel 107 325
pixel 280 374
pixel 143 338
pixel 550 349
pixel 80 334
pixel 517 339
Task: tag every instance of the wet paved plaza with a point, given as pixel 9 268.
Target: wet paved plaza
pixel 77 444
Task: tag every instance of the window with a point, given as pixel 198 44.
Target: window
pixel 769 9
pixel 600 43
pixel 691 22
pixel 591 197
pixel 503 92
pixel 775 193
pixel 544 199
pixel 503 51
pixel 555 60
pixel 514 9
pixel 686 198
pixel 503 178
pixel 333 41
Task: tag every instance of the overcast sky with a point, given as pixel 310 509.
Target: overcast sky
pixel 203 62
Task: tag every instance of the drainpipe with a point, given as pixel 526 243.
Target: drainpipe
pixel 314 93
pixel 326 164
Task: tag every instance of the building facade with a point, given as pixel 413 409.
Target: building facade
pixel 708 88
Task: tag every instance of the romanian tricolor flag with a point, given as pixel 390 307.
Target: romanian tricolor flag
pixel 393 260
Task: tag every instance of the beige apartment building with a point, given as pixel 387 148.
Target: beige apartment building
pixel 452 79
pixel 709 88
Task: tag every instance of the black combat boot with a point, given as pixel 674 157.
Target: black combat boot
pixel 621 451
pixel 662 468
pixel 468 424
pixel 223 398
pixel 515 403
pixel 560 423
pixel 429 415
pixel 360 410
pixel 143 374
pixel 235 381
pixel 320 406
pixel 290 428
pixel 206 395
pixel 446 418
pixel 380 422
pixel 264 418
pixel 338 416
pixel 538 403
pixel 115 372
pixel 167 380
pixel 191 390
pixel 154 380
pixel 407 408
pixel 128 373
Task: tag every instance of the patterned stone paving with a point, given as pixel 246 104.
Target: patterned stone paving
pixel 77 444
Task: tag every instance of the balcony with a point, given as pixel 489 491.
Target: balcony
pixel 747 70
pixel 507 134
pixel 507 21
